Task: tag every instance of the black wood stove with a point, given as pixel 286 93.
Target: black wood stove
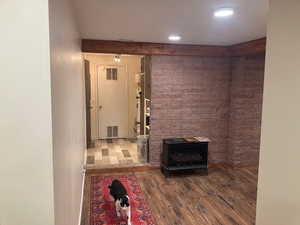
pixel 182 154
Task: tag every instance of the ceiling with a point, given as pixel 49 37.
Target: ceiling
pixel 155 20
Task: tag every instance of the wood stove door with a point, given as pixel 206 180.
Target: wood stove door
pixel 188 154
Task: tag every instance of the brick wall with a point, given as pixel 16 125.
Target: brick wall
pixel 245 109
pixel 220 98
pixel 190 97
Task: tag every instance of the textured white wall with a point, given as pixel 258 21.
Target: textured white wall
pixel 68 115
pixel 26 173
pixel 279 179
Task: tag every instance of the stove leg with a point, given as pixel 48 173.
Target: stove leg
pixel 165 172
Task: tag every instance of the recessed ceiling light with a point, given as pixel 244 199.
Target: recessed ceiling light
pixel 174 38
pixel 224 12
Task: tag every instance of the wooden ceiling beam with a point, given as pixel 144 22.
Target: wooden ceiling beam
pixel 249 48
pixel 145 48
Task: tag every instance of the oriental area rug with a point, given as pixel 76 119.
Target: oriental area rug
pixel 102 204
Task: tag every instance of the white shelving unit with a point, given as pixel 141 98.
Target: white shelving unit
pixel 147 115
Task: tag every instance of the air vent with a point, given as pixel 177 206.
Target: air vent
pixel 109 131
pixel 108 74
pixel 115 74
pixel 111 74
pixel 113 131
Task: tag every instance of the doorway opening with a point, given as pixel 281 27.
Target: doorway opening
pixel 118 109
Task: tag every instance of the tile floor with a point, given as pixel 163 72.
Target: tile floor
pixel 114 153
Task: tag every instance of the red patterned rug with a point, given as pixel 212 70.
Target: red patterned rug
pixel 102 206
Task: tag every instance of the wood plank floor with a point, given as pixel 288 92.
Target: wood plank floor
pixel 225 197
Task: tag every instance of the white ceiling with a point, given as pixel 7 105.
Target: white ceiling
pixel 155 20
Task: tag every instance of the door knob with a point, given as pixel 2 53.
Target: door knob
pixel 100 107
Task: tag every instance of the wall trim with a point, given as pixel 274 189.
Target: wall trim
pixel 233 166
pixel 157 167
pixel 83 170
pixel 123 169
pixel 254 47
pixel 147 48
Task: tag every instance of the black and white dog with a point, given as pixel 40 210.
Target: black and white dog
pixel 119 193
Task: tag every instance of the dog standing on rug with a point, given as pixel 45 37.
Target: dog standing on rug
pixel 119 193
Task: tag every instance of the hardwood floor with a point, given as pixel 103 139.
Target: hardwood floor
pixel 225 197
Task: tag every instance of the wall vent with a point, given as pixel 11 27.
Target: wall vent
pixel 113 131
pixel 111 74
pixel 109 131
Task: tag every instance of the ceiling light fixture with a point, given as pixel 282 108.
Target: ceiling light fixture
pixel 224 12
pixel 117 58
pixel 174 38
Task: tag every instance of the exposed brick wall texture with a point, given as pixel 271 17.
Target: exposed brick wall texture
pixel 245 109
pixel 190 97
pixel 220 98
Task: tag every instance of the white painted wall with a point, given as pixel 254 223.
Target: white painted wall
pixel 279 177
pixel 133 64
pixel 68 114
pixel 41 179
pixel 26 173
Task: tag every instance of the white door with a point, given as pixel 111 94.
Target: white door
pixel 112 102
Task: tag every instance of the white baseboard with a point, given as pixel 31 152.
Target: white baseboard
pixel 83 170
